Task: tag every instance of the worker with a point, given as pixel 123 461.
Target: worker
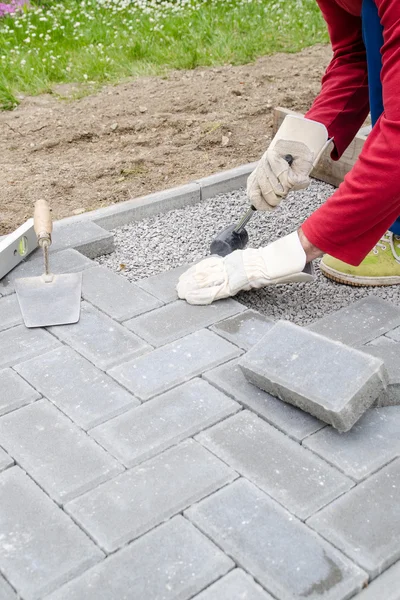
pixel 357 228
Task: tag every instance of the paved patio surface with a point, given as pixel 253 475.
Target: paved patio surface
pixel 138 463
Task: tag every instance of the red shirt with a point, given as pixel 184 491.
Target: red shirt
pixel 354 218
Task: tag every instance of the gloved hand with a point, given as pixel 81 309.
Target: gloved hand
pixel 274 177
pixel 216 277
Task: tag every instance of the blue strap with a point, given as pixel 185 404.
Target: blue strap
pixel 373 40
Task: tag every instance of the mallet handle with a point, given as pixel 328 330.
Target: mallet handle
pixel 245 219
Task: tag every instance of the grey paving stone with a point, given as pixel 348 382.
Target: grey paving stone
pixel 136 501
pixel 100 339
pixel 372 443
pixel 292 475
pixel 6 591
pixel 19 344
pixel 86 237
pixel 394 334
pixel 40 546
pixel 114 295
pixel 331 381
pixel 179 318
pixel 244 330
pixel 360 322
pixel 167 367
pixel 390 354
pixel 386 587
pixel 88 396
pixel 15 392
pixel 172 562
pixel 163 286
pixel 282 553
pixel 10 312
pixel 237 585
pixel 291 420
pixel 168 419
pixel 382 340
pixel 5 460
pixel 37 437
pixel 365 522
pixel 66 261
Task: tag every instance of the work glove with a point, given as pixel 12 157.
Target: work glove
pixel 288 162
pixel 217 277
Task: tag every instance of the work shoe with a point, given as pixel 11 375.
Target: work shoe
pixel 380 267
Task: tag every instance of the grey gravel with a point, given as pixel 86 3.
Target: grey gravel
pixel 183 236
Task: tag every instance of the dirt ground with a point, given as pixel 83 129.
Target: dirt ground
pixel 145 135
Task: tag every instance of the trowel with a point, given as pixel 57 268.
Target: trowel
pixel 48 299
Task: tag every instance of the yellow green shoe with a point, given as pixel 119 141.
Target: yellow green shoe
pixel 380 267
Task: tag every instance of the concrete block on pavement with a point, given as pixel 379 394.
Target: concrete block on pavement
pixel 163 286
pixel 134 502
pixel 365 522
pixel 274 546
pixel 19 344
pixel 245 329
pixel 86 237
pixel 237 585
pixel 331 381
pixel 386 587
pixel 179 318
pixel 41 547
pixel 390 354
pixel 360 322
pixel 15 392
pixel 167 367
pixel 10 312
pixel 172 562
pixel 114 295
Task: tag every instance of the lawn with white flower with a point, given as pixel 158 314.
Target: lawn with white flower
pixel 101 41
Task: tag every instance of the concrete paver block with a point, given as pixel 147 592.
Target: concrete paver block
pixel 88 396
pixel 86 237
pixel 382 340
pixel 386 587
pixel 331 381
pixel 163 286
pixel 237 585
pixel 5 460
pixel 6 591
pixel 291 420
pixel 244 330
pixel 15 392
pixel 179 318
pixel 360 322
pixel 136 501
pixel 390 354
pixel 114 295
pixel 275 547
pixel 10 312
pixel 40 546
pixel 172 562
pixel 372 443
pixel 19 344
pixel 292 475
pixel 164 421
pixel 100 339
pixel 175 363
pixel 57 454
pixel 365 522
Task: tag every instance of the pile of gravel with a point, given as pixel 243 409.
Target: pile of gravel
pixel 183 236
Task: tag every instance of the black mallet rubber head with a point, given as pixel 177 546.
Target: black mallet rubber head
pixel 229 240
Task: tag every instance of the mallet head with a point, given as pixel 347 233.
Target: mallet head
pixel 229 240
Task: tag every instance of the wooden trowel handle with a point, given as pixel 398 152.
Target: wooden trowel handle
pixel 42 222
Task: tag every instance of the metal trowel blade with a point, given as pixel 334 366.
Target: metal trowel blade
pixel 45 304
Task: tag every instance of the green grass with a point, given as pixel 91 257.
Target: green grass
pixel 101 41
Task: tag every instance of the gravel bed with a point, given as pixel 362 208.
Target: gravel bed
pixel 183 236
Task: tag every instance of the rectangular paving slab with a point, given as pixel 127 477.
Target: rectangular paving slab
pixel 386 587
pixel 244 330
pixel 236 585
pixel 41 547
pixel 372 443
pixel 114 295
pixel 19 344
pixel 10 312
pixel 360 322
pixel 291 420
pixel 86 237
pixel 86 394
pixel 331 381
pixel 166 420
pixel 15 392
pixel 275 547
pixel 172 562
pixel 100 339
pixel 57 454
pixel 175 363
pixel 390 354
pixel 178 319
pixel 135 501
pixel 163 285
pixel 365 522
pixel 293 476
